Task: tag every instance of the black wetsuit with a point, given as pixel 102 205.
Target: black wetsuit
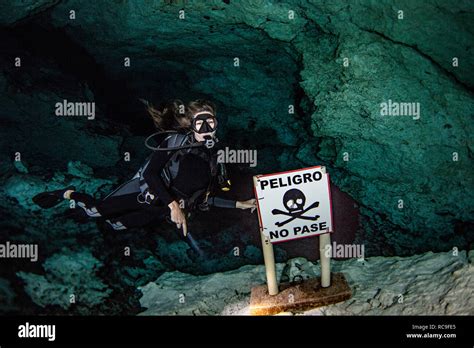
pixel 192 183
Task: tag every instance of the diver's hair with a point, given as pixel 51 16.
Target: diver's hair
pixel 171 115
pixel 200 105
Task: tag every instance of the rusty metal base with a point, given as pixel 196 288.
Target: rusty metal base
pixel 297 297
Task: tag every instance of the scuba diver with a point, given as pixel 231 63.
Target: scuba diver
pixel 181 175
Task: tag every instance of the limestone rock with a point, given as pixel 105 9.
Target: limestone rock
pixel 67 274
pixel 425 284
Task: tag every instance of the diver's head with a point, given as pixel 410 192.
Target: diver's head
pixel 203 119
pixel 170 115
pixel 204 125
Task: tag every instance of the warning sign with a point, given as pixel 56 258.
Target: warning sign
pixel 294 204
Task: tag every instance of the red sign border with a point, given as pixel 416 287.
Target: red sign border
pixel 286 172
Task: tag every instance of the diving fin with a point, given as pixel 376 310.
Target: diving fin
pixel 51 198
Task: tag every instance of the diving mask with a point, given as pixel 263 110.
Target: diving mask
pixel 204 122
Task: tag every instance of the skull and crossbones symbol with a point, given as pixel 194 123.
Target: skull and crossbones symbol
pixel 294 201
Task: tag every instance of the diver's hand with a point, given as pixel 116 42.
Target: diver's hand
pixel 178 217
pixel 249 204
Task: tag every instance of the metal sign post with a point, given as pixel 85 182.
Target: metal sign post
pixel 325 261
pixel 269 258
pixel 292 205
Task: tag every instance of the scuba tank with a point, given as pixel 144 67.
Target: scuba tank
pixel 180 144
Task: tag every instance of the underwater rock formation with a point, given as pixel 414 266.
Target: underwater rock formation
pixel 177 293
pixel 400 170
pixel 70 278
pixel 300 81
pixel 7 296
pixel 425 284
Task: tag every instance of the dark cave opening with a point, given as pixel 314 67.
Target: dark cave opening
pixel 116 100
pixel 55 62
pixel 397 188
pixel 43 48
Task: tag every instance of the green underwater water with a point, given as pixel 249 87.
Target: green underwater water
pixel 335 62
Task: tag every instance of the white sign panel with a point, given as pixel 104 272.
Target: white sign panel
pixel 294 204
